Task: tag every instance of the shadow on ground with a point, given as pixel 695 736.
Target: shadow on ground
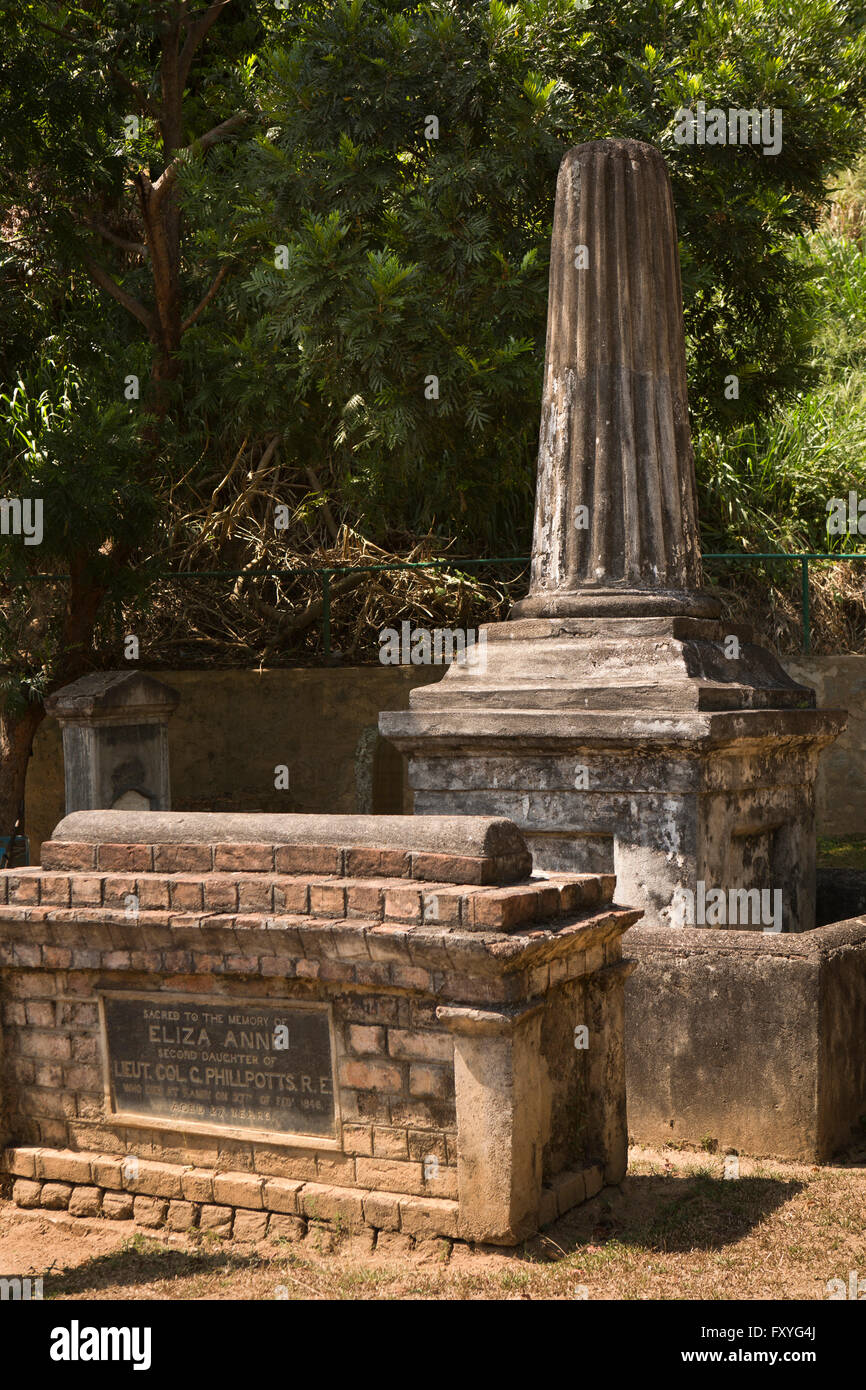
pixel 660 1213
pixel 142 1261
pixel 656 1213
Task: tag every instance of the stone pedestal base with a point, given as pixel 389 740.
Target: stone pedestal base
pixel 709 1013
pixel 634 747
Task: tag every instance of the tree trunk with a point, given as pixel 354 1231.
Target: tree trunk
pixel 16 742
pixel 17 730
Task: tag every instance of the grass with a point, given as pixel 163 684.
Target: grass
pixel 676 1229
pixel 848 853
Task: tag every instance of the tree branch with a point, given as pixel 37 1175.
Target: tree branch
pixel 202 305
pixel 170 173
pixel 141 96
pixel 105 282
pixel 116 240
pixel 84 46
pixel 198 29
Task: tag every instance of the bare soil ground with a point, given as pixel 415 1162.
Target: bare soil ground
pixel 677 1228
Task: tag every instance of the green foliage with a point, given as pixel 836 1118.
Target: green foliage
pixel 765 486
pixel 78 456
pixel 409 257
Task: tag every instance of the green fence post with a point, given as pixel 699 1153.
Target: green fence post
pixel 804 577
pixel 326 612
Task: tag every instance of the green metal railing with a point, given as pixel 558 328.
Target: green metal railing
pixel 330 572
pixel 804 556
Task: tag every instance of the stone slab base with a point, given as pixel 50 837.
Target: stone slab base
pixel 755 1041
pixel 242 1206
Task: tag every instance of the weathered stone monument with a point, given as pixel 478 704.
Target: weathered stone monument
pixel 618 720
pixel 262 1024
pixel 115 741
pixel 626 728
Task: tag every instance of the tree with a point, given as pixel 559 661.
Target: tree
pixel 408 176
pixel 106 106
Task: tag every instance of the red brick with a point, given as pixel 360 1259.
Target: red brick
pixel 40 1013
pixel 549 904
pixel 455 868
pixel 377 863
pixel 327 900
pixel 86 890
pixel 403 904
pixel 580 894
pixel 411 977
pixel 186 894
pixel 364 899
pixel 431 1081
pixel 56 957
pixel 507 868
pixel 255 895
pixel 55 889
pixel 448 868
pixel 371 1076
pixel 116 889
pixel 242 965
pixel 503 907
pixel 153 893
pixel 443 907
pixel 220 893
pixel 420 1046
pixel 115 960
pixel 24 887
pixel 291 895
pixel 308 859
pixel 27 954
pixel 362 1037
pixel 243 858
pixel 68 854
pixel 390 1143
pixel 183 859
pixel 125 859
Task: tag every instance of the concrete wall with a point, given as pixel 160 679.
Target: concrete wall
pixel 232 728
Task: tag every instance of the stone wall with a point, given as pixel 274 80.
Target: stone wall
pixel 322 724
pixel 233 727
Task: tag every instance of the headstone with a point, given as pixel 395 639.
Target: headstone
pixel 618 720
pixel 115 741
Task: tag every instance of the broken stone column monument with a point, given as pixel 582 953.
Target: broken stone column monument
pixel 619 720
pixel 115 741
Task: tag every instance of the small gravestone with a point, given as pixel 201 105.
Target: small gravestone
pixel 115 741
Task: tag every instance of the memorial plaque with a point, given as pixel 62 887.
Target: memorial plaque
pixel 239 1065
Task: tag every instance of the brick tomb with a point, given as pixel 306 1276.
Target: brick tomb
pixel 250 1023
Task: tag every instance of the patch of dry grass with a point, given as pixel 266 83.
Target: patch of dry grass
pixel 676 1229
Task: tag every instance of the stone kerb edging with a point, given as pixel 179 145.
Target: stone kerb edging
pixel 483 837
pixel 245 1206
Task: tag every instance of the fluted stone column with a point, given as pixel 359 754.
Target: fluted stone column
pixel 616 528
